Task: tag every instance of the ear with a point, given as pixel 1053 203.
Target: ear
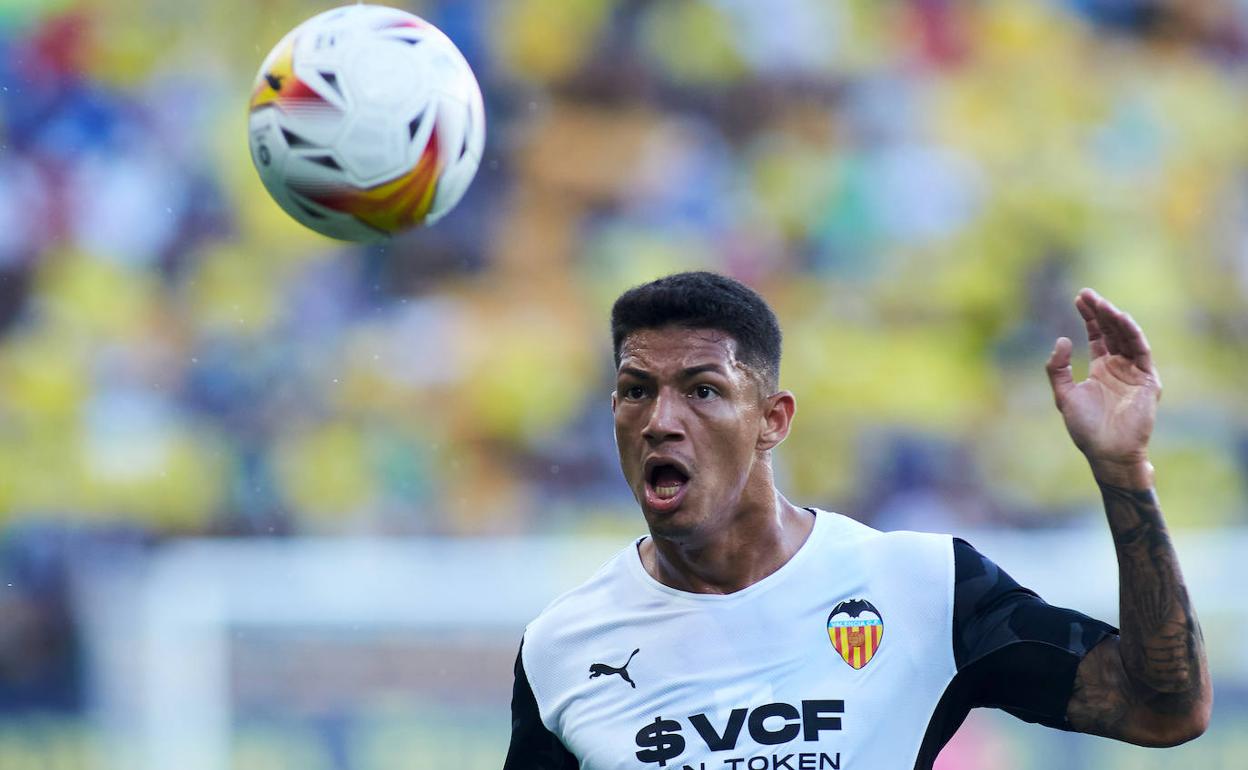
pixel 778 411
pixel 615 401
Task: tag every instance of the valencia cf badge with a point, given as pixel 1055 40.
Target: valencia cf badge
pixel 856 630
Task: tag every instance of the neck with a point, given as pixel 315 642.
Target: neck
pixel 752 544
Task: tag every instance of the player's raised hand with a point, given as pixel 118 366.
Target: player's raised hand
pixel 1109 415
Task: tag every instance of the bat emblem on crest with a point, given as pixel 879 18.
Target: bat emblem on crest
pixel 856 629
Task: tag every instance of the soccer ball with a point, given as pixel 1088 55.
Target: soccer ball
pixel 365 121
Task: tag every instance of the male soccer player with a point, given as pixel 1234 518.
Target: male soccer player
pixel 747 633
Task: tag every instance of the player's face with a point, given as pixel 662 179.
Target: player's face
pixel 688 417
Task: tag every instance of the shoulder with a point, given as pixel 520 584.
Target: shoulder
pixel 901 549
pixel 979 582
pixel 571 612
pixel 993 611
pixel 912 571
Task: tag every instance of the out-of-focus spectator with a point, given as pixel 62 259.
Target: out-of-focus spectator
pixel 919 186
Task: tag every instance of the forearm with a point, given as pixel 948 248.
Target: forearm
pixel 1150 685
pixel 1161 647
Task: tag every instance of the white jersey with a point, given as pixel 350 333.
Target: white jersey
pixel 839 659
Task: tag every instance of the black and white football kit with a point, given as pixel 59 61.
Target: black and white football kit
pixel 865 651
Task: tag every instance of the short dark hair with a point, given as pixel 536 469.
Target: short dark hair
pixel 702 300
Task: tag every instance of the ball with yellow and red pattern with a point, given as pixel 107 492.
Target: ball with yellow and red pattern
pixel 366 121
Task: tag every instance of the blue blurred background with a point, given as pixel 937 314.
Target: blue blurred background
pixel 918 187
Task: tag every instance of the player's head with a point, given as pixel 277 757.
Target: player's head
pixel 702 300
pixel 696 403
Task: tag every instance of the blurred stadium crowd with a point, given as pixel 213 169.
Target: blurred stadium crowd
pixel 919 187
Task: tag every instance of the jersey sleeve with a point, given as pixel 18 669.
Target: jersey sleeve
pixel 1013 651
pixel 1018 652
pixel 533 747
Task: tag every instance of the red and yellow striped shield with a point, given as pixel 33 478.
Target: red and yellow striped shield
pixel 856 630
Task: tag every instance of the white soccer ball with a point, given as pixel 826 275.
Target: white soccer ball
pixel 366 120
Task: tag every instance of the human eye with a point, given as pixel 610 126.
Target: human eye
pixel 633 392
pixel 704 393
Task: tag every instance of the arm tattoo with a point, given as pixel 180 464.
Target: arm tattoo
pixel 1099 702
pixel 1161 642
pixel 1158 671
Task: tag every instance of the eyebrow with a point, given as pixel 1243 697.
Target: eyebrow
pixel 685 373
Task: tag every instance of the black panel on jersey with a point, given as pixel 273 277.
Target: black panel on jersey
pixel 1013 651
pixel 533 747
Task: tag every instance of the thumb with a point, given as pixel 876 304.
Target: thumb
pixel 1058 368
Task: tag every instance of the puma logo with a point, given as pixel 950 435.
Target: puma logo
pixel 599 669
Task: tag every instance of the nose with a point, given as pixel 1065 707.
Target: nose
pixel 664 423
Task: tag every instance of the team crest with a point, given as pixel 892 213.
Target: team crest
pixel 856 630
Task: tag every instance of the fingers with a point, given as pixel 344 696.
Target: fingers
pixel 1117 332
pixel 1096 338
pixel 1136 344
pixel 1058 368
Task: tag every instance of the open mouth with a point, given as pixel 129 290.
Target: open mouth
pixel 665 485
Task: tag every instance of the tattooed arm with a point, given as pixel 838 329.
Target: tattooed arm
pixel 1151 685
